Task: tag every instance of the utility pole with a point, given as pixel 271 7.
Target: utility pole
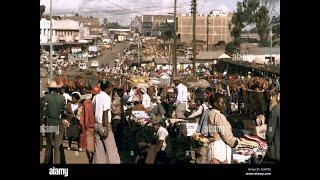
pixel 51 72
pixel 138 53
pixel 208 30
pixel 175 40
pixel 194 45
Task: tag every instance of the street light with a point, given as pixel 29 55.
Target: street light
pixel 271 41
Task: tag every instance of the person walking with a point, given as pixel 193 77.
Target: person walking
pixel 105 148
pixel 74 129
pixel 111 146
pixel 54 108
pixel 87 123
pixel 182 99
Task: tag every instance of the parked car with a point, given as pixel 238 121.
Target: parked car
pixel 95 64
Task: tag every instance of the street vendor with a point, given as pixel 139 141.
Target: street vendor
pixel 220 132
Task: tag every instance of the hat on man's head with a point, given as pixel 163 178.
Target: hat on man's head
pixel 53 84
pixel 156 120
pixel 95 90
pixel 143 90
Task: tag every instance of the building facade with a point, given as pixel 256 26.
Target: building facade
pixel 259 55
pixel 136 24
pixel 92 23
pixel 62 31
pixel 218 23
pixel 152 24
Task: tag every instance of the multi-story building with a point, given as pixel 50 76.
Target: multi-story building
pixel 62 31
pixel 151 24
pixel 218 23
pixel 136 24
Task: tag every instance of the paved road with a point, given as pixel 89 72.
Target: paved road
pixel 81 158
pixel 108 56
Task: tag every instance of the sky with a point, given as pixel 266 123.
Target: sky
pixel 122 10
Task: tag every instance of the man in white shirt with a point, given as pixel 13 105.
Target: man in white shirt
pixel 106 150
pixel 146 100
pixel 182 99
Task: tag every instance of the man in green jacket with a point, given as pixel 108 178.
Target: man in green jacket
pixel 54 108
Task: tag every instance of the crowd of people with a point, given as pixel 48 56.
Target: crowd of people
pixel 98 113
pixel 96 118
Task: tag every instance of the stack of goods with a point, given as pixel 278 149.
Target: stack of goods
pixel 250 146
pixel 201 138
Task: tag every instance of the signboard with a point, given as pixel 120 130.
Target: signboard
pixel 93 48
pixel 75 49
pixel 191 128
pixel 140 114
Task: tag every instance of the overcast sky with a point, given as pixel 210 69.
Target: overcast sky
pixel 123 10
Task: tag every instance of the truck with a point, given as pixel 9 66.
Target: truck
pixel 121 38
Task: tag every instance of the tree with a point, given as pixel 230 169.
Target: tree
pixel 250 12
pixel 271 5
pixel 76 14
pixel 262 24
pixel 231 48
pixel 42 9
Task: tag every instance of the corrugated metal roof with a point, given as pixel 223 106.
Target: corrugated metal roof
pixel 261 51
pixel 209 55
pixel 180 60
